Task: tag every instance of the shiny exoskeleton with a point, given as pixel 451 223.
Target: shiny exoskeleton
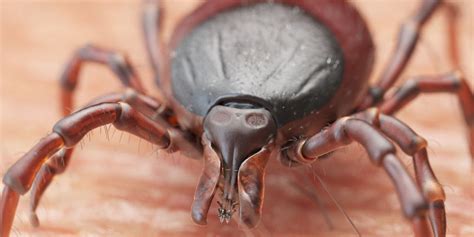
pixel 249 81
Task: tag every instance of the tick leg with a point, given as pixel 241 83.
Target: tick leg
pixel 151 23
pixel 58 162
pixel 406 43
pixel 24 174
pixel 145 104
pixel 451 82
pixel 118 63
pixel 8 205
pixel 381 152
pixel 414 145
pixel 68 132
pixel 453 26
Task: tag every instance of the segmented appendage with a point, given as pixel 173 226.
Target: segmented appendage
pixel 226 208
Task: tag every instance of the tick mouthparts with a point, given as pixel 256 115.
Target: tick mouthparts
pixel 250 188
pixel 207 185
pixel 236 141
pixel 226 209
pixel 224 215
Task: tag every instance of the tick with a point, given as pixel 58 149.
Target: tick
pixel 249 81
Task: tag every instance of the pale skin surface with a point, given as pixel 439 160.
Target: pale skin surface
pixel 122 188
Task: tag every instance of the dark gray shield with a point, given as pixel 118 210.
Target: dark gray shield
pixel 271 51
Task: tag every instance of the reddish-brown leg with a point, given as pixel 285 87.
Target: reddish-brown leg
pixel 414 145
pixel 69 131
pixel 45 147
pixel 122 68
pixel 58 162
pixel 451 82
pixel 151 23
pixel 452 14
pixel 406 43
pixel 118 63
pixel 381 152
pixel 145 104
pixel 8 205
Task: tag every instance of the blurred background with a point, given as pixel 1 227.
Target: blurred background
pixel 123 187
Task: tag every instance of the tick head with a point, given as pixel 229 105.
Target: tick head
pixel 238 140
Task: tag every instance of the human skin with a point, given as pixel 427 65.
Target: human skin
pixel 121 187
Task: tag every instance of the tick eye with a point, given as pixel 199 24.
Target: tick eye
pixel 256 120
pixel 221 117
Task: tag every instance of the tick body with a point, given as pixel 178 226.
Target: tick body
pixel 242 88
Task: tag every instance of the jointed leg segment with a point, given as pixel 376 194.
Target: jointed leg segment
pixel 151 23
pixel 123 69
pixel 414 145
pixel 145 104
pixel 451 82
pixel 382 153
pixel 409 141
pixel 407 40
pixel 56 164
pixel 118 63
pixel 68 132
